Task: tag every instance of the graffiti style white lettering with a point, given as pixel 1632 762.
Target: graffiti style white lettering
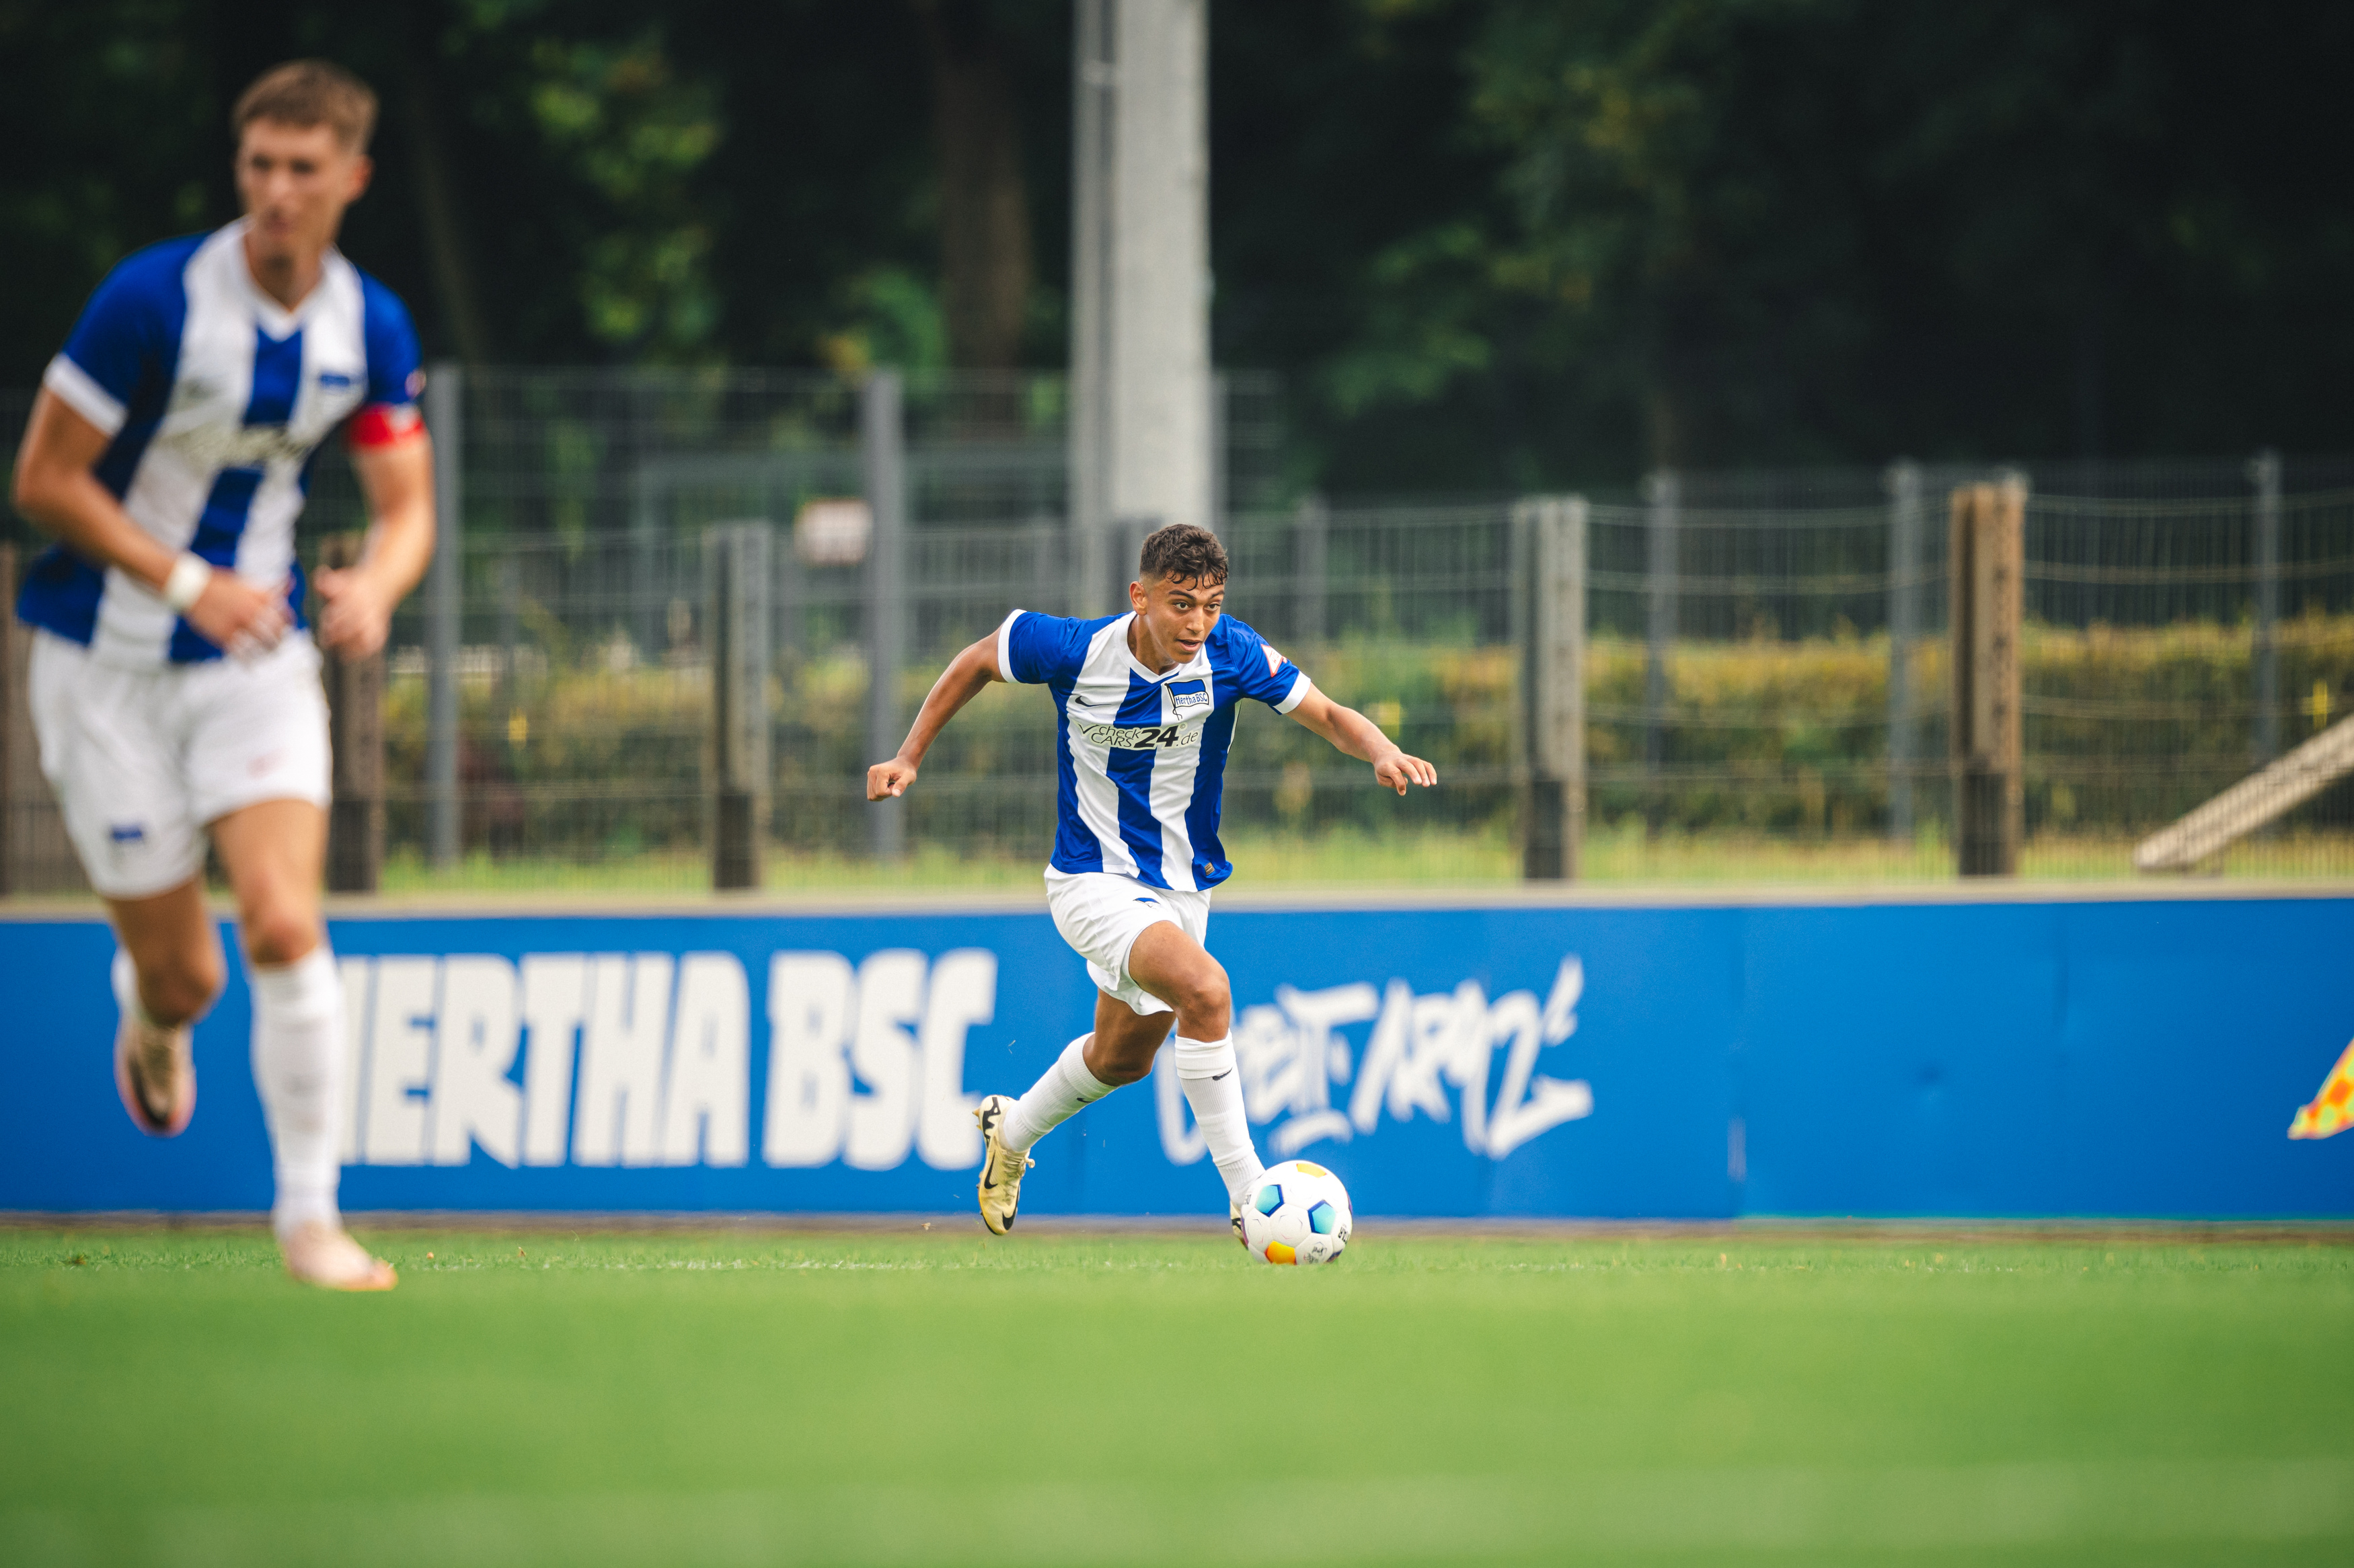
pixel 1290 1058
pixel 621 1059
pixel 1292 1054
pixel 474 1046
pixel 810 1010
pixel 1527 1105
pixel 703 1108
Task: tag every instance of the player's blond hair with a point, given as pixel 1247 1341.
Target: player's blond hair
pixel 309 93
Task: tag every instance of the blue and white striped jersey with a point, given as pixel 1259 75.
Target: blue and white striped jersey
pixel 1141 758
pixel 216 399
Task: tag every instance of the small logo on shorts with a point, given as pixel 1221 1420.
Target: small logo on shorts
pixel 1147 901
pixel 128 833
pixel 261 766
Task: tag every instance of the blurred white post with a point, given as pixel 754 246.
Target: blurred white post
pixel 2264 474
pixel 444 601
pixel 1142 444
pixel 1554 833
pixel 1310 532
pixel 1664 492
pixel 1904 529
pixel 883 454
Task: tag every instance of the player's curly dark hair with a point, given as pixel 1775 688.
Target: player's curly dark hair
pixel 1183 550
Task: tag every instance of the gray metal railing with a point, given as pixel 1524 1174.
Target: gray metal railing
pixel 1763 664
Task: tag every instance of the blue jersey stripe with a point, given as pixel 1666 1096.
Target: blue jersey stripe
pixel 218 528
pixel 1076 849
pixel 277 376
pixel 1210 865
pixel 60 594
pixel 1131 771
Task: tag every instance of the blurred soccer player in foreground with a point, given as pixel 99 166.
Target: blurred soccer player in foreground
pixel 174 684
pixel 1145 705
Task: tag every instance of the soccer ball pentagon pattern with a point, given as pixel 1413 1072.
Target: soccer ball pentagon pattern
pixel 1298 1213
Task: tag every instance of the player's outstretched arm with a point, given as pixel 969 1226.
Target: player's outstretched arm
pixel 56 487
pixel 962 682
pixel 396 477
pixel 1358 735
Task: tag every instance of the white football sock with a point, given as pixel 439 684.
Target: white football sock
pixel 1206 1071
pixel 1061 1093
pixel 298 1066
pixel 125 976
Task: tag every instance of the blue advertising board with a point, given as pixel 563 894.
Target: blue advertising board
pixel 2105 1057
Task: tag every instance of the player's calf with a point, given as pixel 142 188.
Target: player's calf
pixel 154 1066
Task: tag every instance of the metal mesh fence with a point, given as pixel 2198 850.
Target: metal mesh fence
pixel 1767 673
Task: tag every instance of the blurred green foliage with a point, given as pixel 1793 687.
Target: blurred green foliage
pixel 2124 728
pixel 1493 245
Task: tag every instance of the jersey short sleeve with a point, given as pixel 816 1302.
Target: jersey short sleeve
pixel 393 377
pixel 1035 650
pixel 127 340
pixel 1267 676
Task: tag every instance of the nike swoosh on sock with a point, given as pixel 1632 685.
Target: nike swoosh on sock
pixel 1216 1076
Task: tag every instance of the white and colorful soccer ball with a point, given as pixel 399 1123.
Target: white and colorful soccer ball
pixel 1298 1213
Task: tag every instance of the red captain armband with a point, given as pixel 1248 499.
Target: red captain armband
pixel 383 425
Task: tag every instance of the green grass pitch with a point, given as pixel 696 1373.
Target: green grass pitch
pixel 904 1396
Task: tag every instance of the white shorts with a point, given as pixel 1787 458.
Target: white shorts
pixel 1100 914
pixel 143 759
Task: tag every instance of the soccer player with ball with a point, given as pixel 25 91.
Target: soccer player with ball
pixel 175 689
pixel 1146 704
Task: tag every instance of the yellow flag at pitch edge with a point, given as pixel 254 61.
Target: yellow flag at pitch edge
pixel 2332 1110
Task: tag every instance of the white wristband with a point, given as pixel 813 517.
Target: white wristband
pixel 187 582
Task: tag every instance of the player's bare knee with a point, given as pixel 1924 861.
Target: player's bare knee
pixel 182 987
pixel 278 932
pixel 1205 1001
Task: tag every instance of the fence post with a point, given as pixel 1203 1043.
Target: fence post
pixel 356 735
pixel 1310 528
pixel 1664 492
pixel 1554 666
pixel 1904 528
pixel 444 591
pixel 15 726
pixel 14 720
pixel 35 856
pixel 882 453
pixel 1989 589
pixel 740 571
pixel 2264 472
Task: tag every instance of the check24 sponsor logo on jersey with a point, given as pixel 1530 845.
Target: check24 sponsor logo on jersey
pixel 644 1059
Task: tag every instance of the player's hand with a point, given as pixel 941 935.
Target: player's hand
pixel 238 617
pixel 356 612
pixel 889 780
pixel 1398 771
